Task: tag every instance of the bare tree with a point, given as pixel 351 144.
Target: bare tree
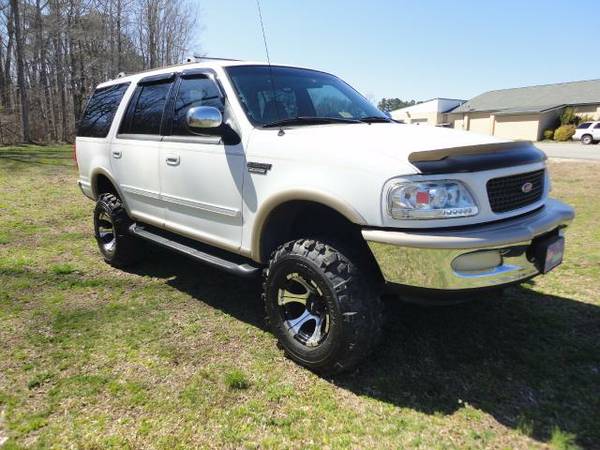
pixel 53 53
pixel 21 71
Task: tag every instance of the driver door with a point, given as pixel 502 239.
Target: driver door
pixel 201 175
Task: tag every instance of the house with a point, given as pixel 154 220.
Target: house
pixel 430 112
pixel 524 113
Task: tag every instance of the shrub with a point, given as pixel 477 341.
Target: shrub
pixel 568 117
pixel 549 134
pixel 564 133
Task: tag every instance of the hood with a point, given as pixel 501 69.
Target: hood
pixel 379 147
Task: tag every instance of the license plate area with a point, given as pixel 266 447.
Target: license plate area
pixel 547 252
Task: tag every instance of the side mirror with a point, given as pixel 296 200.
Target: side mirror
pixel 202 117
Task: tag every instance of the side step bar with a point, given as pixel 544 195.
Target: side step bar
pixel 196 251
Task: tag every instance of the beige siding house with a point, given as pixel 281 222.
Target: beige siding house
pixel 524 113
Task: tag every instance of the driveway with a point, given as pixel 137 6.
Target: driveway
pixel 570 150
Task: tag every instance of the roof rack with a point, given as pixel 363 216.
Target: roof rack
pixel 195 58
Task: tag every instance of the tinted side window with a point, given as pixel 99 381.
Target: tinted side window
pixel 149 108
pixel 194 92
pixel 100 111
pixel 584 126
pixel 597 125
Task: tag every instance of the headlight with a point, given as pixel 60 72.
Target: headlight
pixel 439 199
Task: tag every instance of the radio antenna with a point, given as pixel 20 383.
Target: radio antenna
pixel 264 35
pixel 262 27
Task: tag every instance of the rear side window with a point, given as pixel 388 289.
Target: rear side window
pixel 100 111
pixel 200 91
pixel 146 115
pixel 584 126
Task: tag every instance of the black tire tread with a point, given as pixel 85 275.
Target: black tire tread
pixel 129 249
pixel 358 296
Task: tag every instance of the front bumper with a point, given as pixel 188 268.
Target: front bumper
pixel 468 257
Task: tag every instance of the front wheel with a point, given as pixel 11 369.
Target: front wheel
pixel 322 307
pixel 587 139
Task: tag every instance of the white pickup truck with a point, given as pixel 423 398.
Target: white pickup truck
pixel 290 173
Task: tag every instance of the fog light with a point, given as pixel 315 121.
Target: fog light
pixel 477 261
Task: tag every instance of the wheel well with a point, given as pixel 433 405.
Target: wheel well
pixel 300 219
pixel 103 185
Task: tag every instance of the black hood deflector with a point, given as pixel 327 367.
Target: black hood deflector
pixel 475 158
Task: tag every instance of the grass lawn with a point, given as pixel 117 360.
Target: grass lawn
pixel 173 354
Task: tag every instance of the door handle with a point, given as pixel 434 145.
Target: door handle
pixel 116 154
pixel 172 160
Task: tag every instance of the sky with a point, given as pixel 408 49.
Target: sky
pixel 416 49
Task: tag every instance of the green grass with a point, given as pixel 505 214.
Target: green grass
pixel 236 379
pixel 175 355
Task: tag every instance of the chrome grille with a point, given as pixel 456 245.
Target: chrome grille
pixel 508 193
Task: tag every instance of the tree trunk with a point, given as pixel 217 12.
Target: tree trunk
pixel 21 73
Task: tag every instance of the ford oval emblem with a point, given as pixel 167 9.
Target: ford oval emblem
pixel 527 188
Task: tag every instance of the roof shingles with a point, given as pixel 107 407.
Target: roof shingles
pixel 534 98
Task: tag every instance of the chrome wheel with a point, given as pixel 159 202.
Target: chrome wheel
pixel 304 310
pixel 105 230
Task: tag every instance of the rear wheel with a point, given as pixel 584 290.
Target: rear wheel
pixel 111 230
pixel 587 139
pixel 321 305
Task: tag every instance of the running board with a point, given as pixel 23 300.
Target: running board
pixel 193 250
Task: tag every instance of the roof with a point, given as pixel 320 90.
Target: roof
pixel 438 104
pixel 208 63
pixel 534 99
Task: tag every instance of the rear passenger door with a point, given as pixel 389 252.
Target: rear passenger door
pixel 202 173
pixel 135 151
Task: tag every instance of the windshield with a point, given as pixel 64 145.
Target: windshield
pixel 280 93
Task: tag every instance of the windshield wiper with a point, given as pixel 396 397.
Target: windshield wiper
pixel 307 120
pixel 373 119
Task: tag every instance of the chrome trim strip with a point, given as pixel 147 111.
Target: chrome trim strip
pixel 140 137
pixel 212 140
pixel 142 192
pixel 230 212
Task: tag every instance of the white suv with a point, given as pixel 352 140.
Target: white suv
pixel 290 173
pixel 587 133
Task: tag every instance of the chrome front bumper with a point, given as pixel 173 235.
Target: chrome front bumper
pixel 468 257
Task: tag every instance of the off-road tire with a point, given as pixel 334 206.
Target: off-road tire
pixel 127 249
pixel 352 296
pixel 587 139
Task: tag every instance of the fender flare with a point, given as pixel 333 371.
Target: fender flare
pixel 270 204
pixel 107 174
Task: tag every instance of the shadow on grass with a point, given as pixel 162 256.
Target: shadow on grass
pixel 530 360
pixel 35 155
